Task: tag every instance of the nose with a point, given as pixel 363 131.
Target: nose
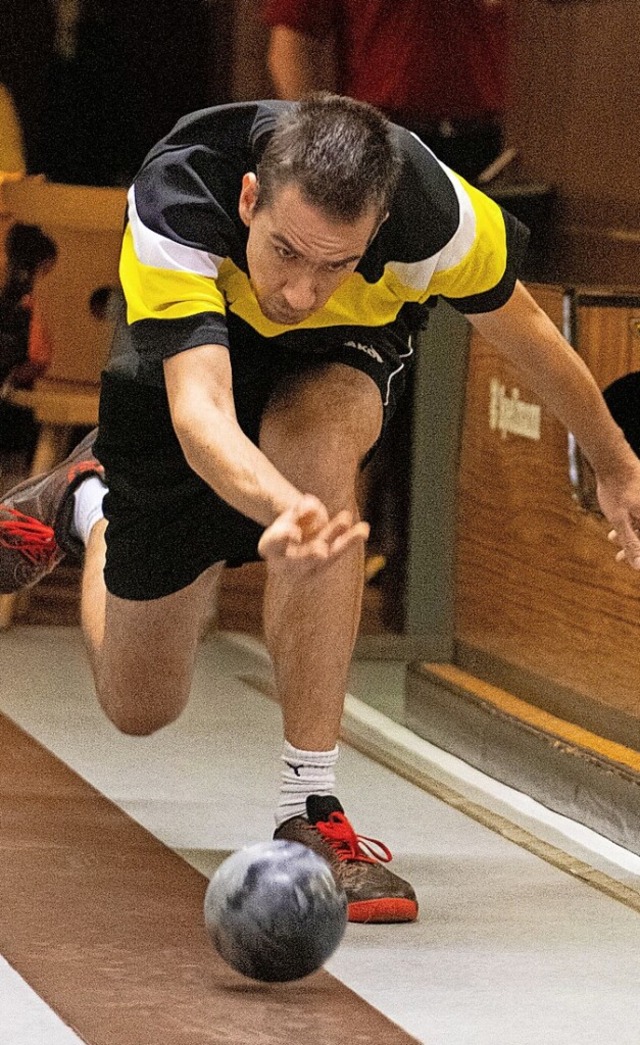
pixel 300 293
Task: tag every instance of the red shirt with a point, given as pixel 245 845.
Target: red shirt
pixel 423 59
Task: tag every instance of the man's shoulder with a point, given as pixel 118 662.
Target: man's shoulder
pixel 425 211
pixel 236 126
pixel 188 186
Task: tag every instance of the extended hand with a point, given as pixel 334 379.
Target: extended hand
pixel 305 535
pixel 621 506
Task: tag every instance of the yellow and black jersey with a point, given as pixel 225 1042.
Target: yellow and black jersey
pixel 183 266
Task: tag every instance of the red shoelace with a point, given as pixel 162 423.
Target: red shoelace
pixel 32 538
pixel 347 845
pixel 90 465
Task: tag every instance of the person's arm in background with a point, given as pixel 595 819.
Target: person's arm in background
pixel 298 63
pixel 301 55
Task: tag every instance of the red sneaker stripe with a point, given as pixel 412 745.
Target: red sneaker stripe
pixel 384 909
pixel 90 465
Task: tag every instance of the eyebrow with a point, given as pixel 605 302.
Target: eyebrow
pixel 284 242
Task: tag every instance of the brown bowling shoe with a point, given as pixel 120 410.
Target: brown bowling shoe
pixel 374 894
pixel 36 518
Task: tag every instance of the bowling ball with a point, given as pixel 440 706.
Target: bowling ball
pixel 274 912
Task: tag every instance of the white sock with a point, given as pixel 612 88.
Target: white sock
pixel 87 509
pixel 305 773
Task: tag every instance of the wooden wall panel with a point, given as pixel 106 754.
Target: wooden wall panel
pixel 575 105
pixel 250 78
pixel 609 341
pixel 536 584
pixel 575 119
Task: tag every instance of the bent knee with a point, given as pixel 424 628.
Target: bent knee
pixel 140 716
pixel 329 414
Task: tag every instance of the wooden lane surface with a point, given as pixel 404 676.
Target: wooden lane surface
pixel 106 924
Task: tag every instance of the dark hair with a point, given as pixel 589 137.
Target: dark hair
pixel 27 246
pixel 339 152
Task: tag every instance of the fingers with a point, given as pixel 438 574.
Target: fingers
pixel 310 515
pixel 332 541
pixel 274 542
pixel 630 550
pixel 298 524
pixel 277 538
pixel 302 536
pixel 342 530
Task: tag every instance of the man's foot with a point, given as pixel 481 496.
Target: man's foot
pixel 36 518
pixel 374 894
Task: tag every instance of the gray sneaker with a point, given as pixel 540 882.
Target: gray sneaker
pixel 374 894
pixel 36 518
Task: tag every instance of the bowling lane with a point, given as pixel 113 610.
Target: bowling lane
pixel 508 948
pixel 106 925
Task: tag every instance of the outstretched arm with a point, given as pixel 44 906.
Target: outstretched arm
pixel 299 530
pixel 524 335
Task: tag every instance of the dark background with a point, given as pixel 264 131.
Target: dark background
pixel 137 67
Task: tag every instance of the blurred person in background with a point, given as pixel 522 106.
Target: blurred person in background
pixel 438 68
pixel 26 347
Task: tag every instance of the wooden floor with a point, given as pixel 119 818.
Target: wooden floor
pixel 56 600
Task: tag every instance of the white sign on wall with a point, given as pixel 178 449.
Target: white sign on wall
pixel 510 415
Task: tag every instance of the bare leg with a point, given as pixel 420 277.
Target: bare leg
pixel 317 434
pixel 311 646
pixel 142 653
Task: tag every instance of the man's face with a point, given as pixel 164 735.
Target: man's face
pixel 298 256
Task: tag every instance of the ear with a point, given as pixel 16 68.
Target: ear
pixel 381 223
pixel 377 229
pixel 248 198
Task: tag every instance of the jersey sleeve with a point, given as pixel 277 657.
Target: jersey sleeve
pixel 314 19
pixel 446 238
pixel 477 269
pixel 172 250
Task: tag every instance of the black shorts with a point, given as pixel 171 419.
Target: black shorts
pixel 165 524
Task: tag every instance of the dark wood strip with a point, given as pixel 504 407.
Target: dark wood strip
pixel 106 924
pixel 56 600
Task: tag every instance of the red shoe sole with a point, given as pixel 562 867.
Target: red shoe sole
pixel 386 909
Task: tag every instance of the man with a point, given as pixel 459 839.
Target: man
pixel 276 261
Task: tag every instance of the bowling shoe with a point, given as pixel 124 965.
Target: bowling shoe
pixel 36 517
pixel 374 893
